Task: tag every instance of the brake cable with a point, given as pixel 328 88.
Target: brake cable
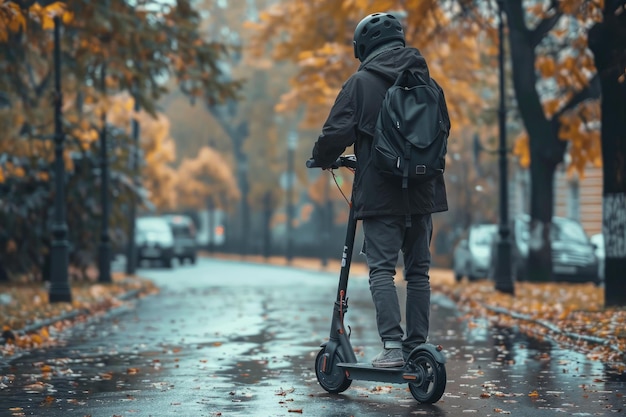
pixel 332 172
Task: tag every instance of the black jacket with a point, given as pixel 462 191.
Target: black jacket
pixel 352 120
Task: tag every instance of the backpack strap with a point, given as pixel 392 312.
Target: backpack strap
pixel 405 184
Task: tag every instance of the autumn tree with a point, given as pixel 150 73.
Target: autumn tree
pixel 158 149
pixel 317 36
pixel 247 132
pixel 141 44
pixel 607 40
pixel 553 81
pixel 205 175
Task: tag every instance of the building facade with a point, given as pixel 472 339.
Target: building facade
pixel 576 197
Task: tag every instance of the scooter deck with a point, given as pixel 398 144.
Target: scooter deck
pixel 364 371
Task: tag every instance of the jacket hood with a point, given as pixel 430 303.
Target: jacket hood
pixel 392 62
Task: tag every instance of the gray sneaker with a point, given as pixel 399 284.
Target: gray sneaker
pixel 388 358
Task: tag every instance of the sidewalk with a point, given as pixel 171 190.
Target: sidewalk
pixel 570 315
pixel 28 321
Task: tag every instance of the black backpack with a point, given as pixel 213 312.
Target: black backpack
pixel 411 135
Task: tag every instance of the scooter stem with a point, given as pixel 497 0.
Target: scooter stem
pixel 338 335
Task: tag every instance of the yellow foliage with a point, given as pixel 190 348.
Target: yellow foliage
pixel 18 21
pixel 545 65
pixel 584 137
pixel 323 50
pixel 68 160
pixel 521 149
pixel 12 18
pixel 185 186
pixel 47 14
pixel 205 175
pixel 158 146
pixel 550 107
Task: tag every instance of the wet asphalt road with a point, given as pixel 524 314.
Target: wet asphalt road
pixel 230 339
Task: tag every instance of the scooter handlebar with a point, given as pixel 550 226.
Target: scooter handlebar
pixel 312 163
pixel 348 161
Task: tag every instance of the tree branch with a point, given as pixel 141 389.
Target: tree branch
pixel 545 26
pixel 43 84
pixel 590 92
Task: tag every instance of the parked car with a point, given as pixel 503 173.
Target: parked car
pixel 472 255
pixel 154 240
pixel 573 257
pixel 597 241
pixel 185 243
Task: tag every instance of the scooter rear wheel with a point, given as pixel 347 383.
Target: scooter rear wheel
pixel 431 386
pixel 334 381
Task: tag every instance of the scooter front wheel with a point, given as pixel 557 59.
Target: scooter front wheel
pixel 333 380
pixel 430 387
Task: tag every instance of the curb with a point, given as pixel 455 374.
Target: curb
pixel 555 329
pixel 33 327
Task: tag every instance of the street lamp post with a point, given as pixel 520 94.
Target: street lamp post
pixel 244 230
pixel 131 253
pixel 104 253
pixel 292 141
pixel 502 272
pixel 59 284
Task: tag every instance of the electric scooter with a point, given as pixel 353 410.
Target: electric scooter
pixel 336 365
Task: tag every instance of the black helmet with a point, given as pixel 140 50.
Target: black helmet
pixel 374 30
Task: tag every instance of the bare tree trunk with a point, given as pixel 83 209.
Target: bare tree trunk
pixel 546 150
pixel 607 40
pixel 238 134
pixel 539 264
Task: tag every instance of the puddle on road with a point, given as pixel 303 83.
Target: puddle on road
pixel 39 381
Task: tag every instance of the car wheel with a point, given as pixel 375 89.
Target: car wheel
pixel 193 260
pixel 168 262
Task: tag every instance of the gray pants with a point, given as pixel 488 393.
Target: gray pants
pixel 384 238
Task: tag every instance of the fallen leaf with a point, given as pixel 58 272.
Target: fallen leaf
pixel 48 400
